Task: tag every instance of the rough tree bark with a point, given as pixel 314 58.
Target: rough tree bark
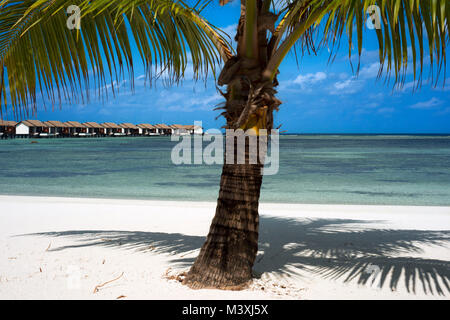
pixel 227 257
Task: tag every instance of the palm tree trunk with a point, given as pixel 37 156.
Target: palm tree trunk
pixel 226 258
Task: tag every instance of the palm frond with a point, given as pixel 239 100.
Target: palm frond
pixel 39 53
pixel 405 26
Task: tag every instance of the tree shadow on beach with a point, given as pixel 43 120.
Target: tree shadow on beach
pixel 339 249
pixel 347 250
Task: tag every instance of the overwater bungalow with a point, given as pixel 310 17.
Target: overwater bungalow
pixel 36 128
pixel 113 129
pixel 163 129
pixel 179 130
pixel 94 129
pixel 31 128
pixel 147 129
pixel 129 129
pixel 56 128
pixel 108 130
pixel 49 131
pixel 7 129
pixel 76 129
pixel 193 129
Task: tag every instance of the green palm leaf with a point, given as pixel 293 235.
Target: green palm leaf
pixel 39 53
pixel 405 25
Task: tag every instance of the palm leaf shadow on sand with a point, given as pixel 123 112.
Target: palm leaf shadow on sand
pixel 339 249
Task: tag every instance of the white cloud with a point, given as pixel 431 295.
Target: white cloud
pixel 340 85
pixel 311 78
pixel 114 84
pixel 408 85
pixel 433 102
pixel 444 87
pixel 355 83
pixel 348 86
pixel 206 103
pixel 170 101
pixel 370 71
pixel 305 82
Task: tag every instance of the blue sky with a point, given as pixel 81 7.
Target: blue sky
pixel 317 97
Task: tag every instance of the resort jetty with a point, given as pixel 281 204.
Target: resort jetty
pixel 58 129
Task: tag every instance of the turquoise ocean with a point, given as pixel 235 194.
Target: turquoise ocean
pixel 326 169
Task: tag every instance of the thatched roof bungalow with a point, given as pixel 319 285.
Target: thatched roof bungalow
pixel 94 128
pixel 31 128
pixel 113 129
pixel 193 129
pixel 178 129
pixel 7 128
pixel 147 129
pixel 76 128
pixel 129 128
pixel 163 129
pixel 57 128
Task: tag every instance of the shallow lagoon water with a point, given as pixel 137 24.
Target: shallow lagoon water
pixel 341 169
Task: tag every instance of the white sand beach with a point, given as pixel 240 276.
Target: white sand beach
pixel 67 248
